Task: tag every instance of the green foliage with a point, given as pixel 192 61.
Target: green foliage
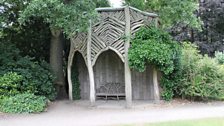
pixel 32 39
pixel 36 76
pixel 9 13
pixel 102 3
pixel 72 17
pixel 23 103
pixel 201 76
pixel 8 53
pixel 211 38
pixel 140 4
pixel 10 84
pixel 168 87
pixel 154 46
pixel 219 56
pixel 197 77
pixel 171 12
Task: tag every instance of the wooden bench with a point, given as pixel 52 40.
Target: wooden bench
pixel 111 90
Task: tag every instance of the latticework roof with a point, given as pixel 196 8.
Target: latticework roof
pixel 109 31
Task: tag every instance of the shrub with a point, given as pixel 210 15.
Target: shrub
pixel 10 84
pixel 23 103
pixel 219 56
pixel 168 88
pixel 201 77
pixel 8 53
pixel 36 75
pixel 186 73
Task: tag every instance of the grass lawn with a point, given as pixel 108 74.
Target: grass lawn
pixel 200 122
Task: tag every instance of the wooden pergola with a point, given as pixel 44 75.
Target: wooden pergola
pixel 112 31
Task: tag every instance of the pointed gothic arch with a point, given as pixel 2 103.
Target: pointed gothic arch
pixel 112 31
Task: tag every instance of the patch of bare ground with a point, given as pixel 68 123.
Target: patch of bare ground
pixel 112 112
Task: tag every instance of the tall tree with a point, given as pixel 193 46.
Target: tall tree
pixel 65 18
pixel 68 17
pixel 211 38
pixel 32 39
pixel 171 12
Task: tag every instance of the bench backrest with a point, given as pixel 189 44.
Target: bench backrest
pixel 111 88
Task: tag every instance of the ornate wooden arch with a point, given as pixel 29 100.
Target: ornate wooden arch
pixel 106 49
pixel 81 54
pixel 112 30
pixel 69 69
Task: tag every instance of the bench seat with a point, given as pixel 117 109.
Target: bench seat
pixel 110 90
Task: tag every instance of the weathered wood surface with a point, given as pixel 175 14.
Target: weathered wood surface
pixel 83 76
pixel 108 9
pixel 155 77
pixel 156 85
pixel 112 31
pixel 108 33
pixel 142 84
pixel 70 60
pixel 79 43
pixel 111 89
pixel 108 68
pixel 128 85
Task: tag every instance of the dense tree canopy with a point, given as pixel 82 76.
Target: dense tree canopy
pixel 211 38
pixel 67 16
pixel 71 18
pixel 171 12
pixel 32 39
pixel 43 22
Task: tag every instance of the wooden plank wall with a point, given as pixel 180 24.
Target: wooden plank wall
pixel 142 84
pixel 108 68
pixel 83 76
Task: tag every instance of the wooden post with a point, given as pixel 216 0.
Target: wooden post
pixel 156 22
pixel 155 77
pixel 156 85
pixel 70 60
pixel 90 67
pixel 127 71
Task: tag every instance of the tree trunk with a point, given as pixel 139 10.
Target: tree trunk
pixel 56 62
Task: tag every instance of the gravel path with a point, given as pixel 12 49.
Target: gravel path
pixel 66 113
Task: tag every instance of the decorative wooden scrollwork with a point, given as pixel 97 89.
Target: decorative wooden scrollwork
pixel 79 43
pixel 108 33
